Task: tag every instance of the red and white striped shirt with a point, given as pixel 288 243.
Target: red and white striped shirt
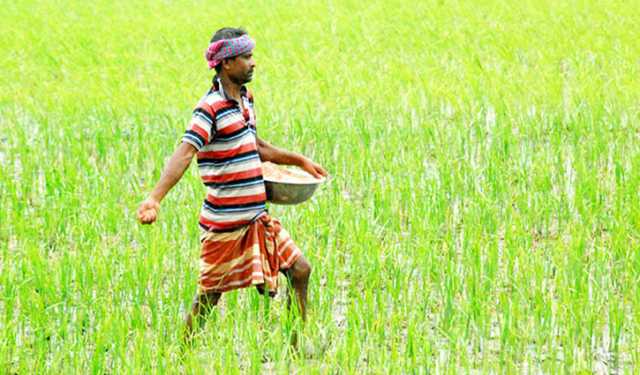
pixel 228 160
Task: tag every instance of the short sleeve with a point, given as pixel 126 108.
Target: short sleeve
pixel 201 129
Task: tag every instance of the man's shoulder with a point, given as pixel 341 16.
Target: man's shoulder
pixel 211 102
pixel 211 98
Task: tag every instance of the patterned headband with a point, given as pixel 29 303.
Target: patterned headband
pixel 226 48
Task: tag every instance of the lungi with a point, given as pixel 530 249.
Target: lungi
pixel 250 256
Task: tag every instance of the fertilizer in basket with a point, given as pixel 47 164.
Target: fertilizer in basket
pixel 274 172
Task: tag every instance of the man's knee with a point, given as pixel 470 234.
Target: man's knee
pixel 301 270
pixel 207 299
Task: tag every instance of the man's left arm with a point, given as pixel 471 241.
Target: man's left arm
pixel 277 155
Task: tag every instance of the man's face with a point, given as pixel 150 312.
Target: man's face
pixel 240 68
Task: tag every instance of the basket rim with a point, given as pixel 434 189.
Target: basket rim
pixel 316 182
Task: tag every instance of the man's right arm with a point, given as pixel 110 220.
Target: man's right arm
pixel 172 173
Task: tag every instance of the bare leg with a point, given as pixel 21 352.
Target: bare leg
pixel 202 305
pixel 298 276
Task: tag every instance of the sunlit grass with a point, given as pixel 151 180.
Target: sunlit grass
pixel 482 212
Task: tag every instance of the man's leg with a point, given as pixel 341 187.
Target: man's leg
pixel 202 305
pixel 298 276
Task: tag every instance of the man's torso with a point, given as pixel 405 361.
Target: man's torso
pixel 228 161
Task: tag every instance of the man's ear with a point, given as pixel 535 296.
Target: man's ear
pixel 226 63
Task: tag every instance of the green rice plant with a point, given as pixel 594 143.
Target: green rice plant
pixel 480 216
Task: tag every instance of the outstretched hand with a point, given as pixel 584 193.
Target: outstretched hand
pixel 148 211
pixel 313 168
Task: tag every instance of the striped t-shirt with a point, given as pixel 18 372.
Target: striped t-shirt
pixel 228 160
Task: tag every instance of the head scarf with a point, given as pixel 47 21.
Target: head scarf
pixel 226 48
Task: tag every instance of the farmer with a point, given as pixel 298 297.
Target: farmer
pixel 242 245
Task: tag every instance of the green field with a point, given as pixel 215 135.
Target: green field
pixel 482 214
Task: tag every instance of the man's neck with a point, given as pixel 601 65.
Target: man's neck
pixel 232 89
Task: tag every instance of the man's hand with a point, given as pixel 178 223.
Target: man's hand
pixel 279 156
pixel 148 211
pixel 179 162
pixel 313 168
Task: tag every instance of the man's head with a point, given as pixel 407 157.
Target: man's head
pixel 230 52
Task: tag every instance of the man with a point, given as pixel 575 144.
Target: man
pixel 242 245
